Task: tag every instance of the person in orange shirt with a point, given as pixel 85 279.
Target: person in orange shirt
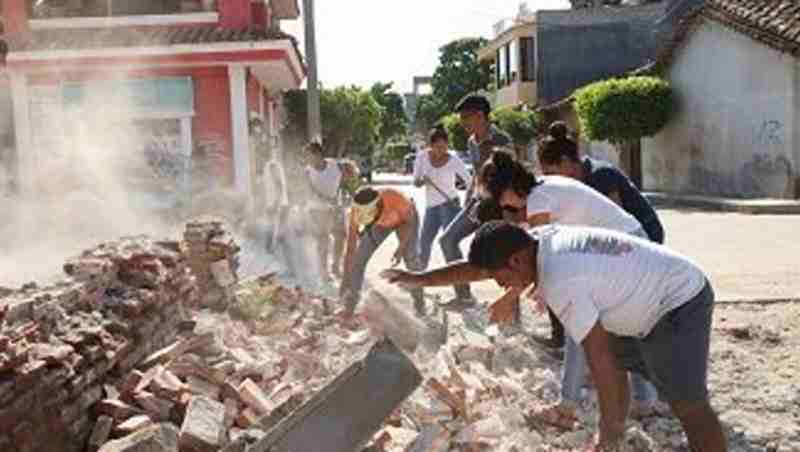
pixel 374 215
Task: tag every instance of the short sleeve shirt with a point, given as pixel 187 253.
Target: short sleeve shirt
pixel 628 284
pixel 497 137
pixel 571 202
pixel 607 179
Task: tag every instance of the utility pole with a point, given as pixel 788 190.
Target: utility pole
pixel 314 126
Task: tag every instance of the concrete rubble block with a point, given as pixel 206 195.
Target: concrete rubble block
pixel 347 413
pixel 156 438
pixel 221 271
pixel 133 424
pixel 255 398
pixel 432 438
pixel 116 409
pixel 51 354
pixel 179 348
pixel 231 411
pixel 100 433
pixel 202 387
pixel 167 386
pixel 247 418
pixel 156 408
pixel 203 428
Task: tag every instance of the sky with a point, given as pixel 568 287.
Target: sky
pixel 364 41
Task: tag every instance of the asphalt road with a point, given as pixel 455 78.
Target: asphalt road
pixel 747 257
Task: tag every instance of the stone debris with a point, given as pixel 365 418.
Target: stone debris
pixel 130 361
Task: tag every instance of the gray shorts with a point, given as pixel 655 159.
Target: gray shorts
pixel 674 356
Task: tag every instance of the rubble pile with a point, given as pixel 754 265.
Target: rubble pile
pixel 59 345
pixel 212 254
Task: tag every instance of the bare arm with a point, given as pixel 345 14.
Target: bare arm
pixel 419 178
pixel 538 219
pixel 612 384
pixel 456 273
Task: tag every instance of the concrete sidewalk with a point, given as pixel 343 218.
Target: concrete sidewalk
pixel 757 206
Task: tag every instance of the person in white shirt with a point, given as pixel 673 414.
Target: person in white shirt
pixel 326 214
pixel 632 304
pixel 436 169
pixel 562 200
pixel 276 208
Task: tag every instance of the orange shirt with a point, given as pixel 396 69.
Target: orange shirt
pixel 397 209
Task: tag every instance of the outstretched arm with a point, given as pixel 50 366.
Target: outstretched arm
pixel 457 273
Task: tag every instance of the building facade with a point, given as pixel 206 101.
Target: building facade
pixel 183 81
pixel 512 52
pixel 737 76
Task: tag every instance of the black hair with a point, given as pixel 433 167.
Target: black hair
pixel 365 195
pixel 314 147
pixel 557 145
pixel 495 243
pixel 489 210
pixel 437 134
pixel 474 102
pixel 501 172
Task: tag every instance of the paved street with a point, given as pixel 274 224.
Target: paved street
pixel 748 257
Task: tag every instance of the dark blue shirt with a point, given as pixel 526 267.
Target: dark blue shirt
pixel 607 179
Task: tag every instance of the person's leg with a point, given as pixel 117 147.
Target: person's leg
pixel 556 330
pixel 643 392
pixel 573 374
pixel 339 236
pixel 430 227
pixel 414 263
pixel 676 355
pixel 461 227
pixel 370 240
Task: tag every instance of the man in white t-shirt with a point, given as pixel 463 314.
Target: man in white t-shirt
pixel 634 306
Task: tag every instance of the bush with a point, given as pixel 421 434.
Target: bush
pixel 624 110
pixel 458 136
pixel 521 125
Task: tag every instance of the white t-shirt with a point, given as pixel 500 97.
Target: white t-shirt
pixel 571 202
pixel 627 283
pixel 275 189
pixel 325 182
pixel 444 177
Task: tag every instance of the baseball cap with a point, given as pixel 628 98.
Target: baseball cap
pixel 474 102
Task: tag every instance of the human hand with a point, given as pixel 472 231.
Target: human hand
pixel 397 257
pixel 402 278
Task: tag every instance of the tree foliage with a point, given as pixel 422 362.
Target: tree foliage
pixel 394 123
pixel 459 72
pixel 520 124
pixel 351 119
pixel 458 135
pixel 430 109
pixel 624 110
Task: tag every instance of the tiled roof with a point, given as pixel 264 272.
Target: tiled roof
pixel 776 23
pixel 773 22
pixel 152 36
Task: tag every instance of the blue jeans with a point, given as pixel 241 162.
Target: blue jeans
pixel 370 240
pixel 574 371
pixel 436 218
pixel 458 229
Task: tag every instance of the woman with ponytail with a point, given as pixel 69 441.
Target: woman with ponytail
pixel 561 200
pixel 558 155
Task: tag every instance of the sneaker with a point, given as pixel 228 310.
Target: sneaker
pixel 460 304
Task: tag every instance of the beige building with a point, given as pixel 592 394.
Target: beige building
pixel 513 53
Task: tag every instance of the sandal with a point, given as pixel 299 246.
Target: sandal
pixel 555 416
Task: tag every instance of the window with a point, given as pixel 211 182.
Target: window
pixel 527 53
pixel 507 62
pixel 502 68
pixel 513 61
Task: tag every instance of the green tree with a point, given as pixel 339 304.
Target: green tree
pixel 459 72
pixel 520 124
pixel 458 136
pixel 624 110
pixel 394 123
pixel 350 120
pixel 430 109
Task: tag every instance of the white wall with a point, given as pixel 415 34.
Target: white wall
pixel 735 133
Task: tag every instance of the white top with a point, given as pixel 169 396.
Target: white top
pixel 444 177
pixel 275 189
pixel 571 202
pixel 586 275
pixel 326 182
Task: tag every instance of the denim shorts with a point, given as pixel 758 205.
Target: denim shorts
pixel 674 356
